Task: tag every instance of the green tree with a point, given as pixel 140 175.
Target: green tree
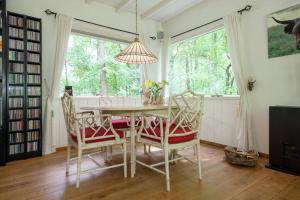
pixel 92 70
pixel 202 64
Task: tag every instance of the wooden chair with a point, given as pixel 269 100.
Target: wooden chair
pixel 178 130
pixel 87 131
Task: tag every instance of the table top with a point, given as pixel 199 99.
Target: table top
pixel 127 107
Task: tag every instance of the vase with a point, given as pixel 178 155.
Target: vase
pixel 156 100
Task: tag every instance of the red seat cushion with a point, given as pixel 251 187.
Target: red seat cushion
pixel 172 140
pixel 89 134
pixel 120 124
pixel 123 123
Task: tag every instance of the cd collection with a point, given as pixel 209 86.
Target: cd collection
pixel 23 84
pixel 16 91
pixel 33 46
pixel 16 44
pixel 16 32
pixel 15 78
pixel 16 126
pixel 33 79
pixel 16 148
pixel 34 91
pixel 16 67
pixel 32 146
pixel 15 114
pixel 31 136
pixel 15 21
pixel 33 124
pixel 15 102
pixel 35 36
pixel 32 68
pixel 32 57
pixel 16 137
pixel 31 24
pixel 16 56
pixel 33 102
pixel 33 113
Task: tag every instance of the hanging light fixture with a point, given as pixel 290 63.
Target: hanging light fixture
pixel 136 52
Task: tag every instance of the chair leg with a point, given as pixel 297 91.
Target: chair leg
pixel 145 149
pixel 199 160
pixel 125 159
pixel 105 155
pixel 167 169
pixel 78 167
pixel 68 159
pixel 111 153
pixel 149 149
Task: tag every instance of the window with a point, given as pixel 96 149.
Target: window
pixel 202 64
pixel 91 69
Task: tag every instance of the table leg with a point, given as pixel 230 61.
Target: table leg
pixel 132 144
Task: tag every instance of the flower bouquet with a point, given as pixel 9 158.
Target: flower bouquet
pixel 153 92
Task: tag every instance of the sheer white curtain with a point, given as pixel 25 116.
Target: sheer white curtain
pixel 165 57
pixel 232 25
pixel 145 67
pixel 166 43
pixel 63 28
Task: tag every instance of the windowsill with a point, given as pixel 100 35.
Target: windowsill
pixel 222 97
pixel 207 97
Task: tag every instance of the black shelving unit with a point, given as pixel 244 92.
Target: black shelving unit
pixel 24 87
pixel 3 56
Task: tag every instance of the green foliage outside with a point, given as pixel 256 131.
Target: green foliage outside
pixel 203 65
pixel 280 43
pixel 92 70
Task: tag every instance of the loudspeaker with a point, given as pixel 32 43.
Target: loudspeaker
pixel 160 35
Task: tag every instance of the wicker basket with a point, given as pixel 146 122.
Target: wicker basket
pixel 240 158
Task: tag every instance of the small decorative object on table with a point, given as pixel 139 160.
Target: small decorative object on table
pixel 236 157
pixel 69 90
pixel 153 92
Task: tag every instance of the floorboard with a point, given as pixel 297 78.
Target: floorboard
pixel 44 178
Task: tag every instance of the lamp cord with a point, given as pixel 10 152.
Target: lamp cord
pixel 136 20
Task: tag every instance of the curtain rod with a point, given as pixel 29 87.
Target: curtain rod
pixel 247 8
pixel 50 12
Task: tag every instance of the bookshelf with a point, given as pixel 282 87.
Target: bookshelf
pixel 24 87
pixel 3 55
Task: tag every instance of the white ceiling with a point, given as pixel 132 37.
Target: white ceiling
pixel 159 10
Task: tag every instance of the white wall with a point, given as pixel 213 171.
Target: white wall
pixel 278 79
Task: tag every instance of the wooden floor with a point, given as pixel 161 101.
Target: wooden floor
pixel 44 178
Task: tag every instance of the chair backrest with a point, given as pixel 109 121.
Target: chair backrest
pixel 81 124
pixel 69 112
pixel 186 116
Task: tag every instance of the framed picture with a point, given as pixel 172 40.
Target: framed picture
pixel 69 90
pixel 284 32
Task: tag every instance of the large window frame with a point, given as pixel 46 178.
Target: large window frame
pixel 191 36
pixel 112 40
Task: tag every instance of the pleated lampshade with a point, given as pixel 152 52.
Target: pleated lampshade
pixel 136 53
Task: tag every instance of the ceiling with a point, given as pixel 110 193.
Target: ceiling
pixel 159 10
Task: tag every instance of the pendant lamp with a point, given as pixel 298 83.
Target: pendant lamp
pixel 136 52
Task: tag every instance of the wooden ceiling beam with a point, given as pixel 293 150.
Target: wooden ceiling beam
pixel 123 4
pixel 89 1
pixel 155 8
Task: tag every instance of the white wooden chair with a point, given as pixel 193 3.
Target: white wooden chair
pixel 178 130
pixel 87 131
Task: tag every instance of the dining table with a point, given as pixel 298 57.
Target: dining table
pixel 132 111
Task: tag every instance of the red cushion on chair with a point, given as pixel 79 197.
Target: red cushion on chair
pixel 89 133
pixel 172 140
pixel 120 123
